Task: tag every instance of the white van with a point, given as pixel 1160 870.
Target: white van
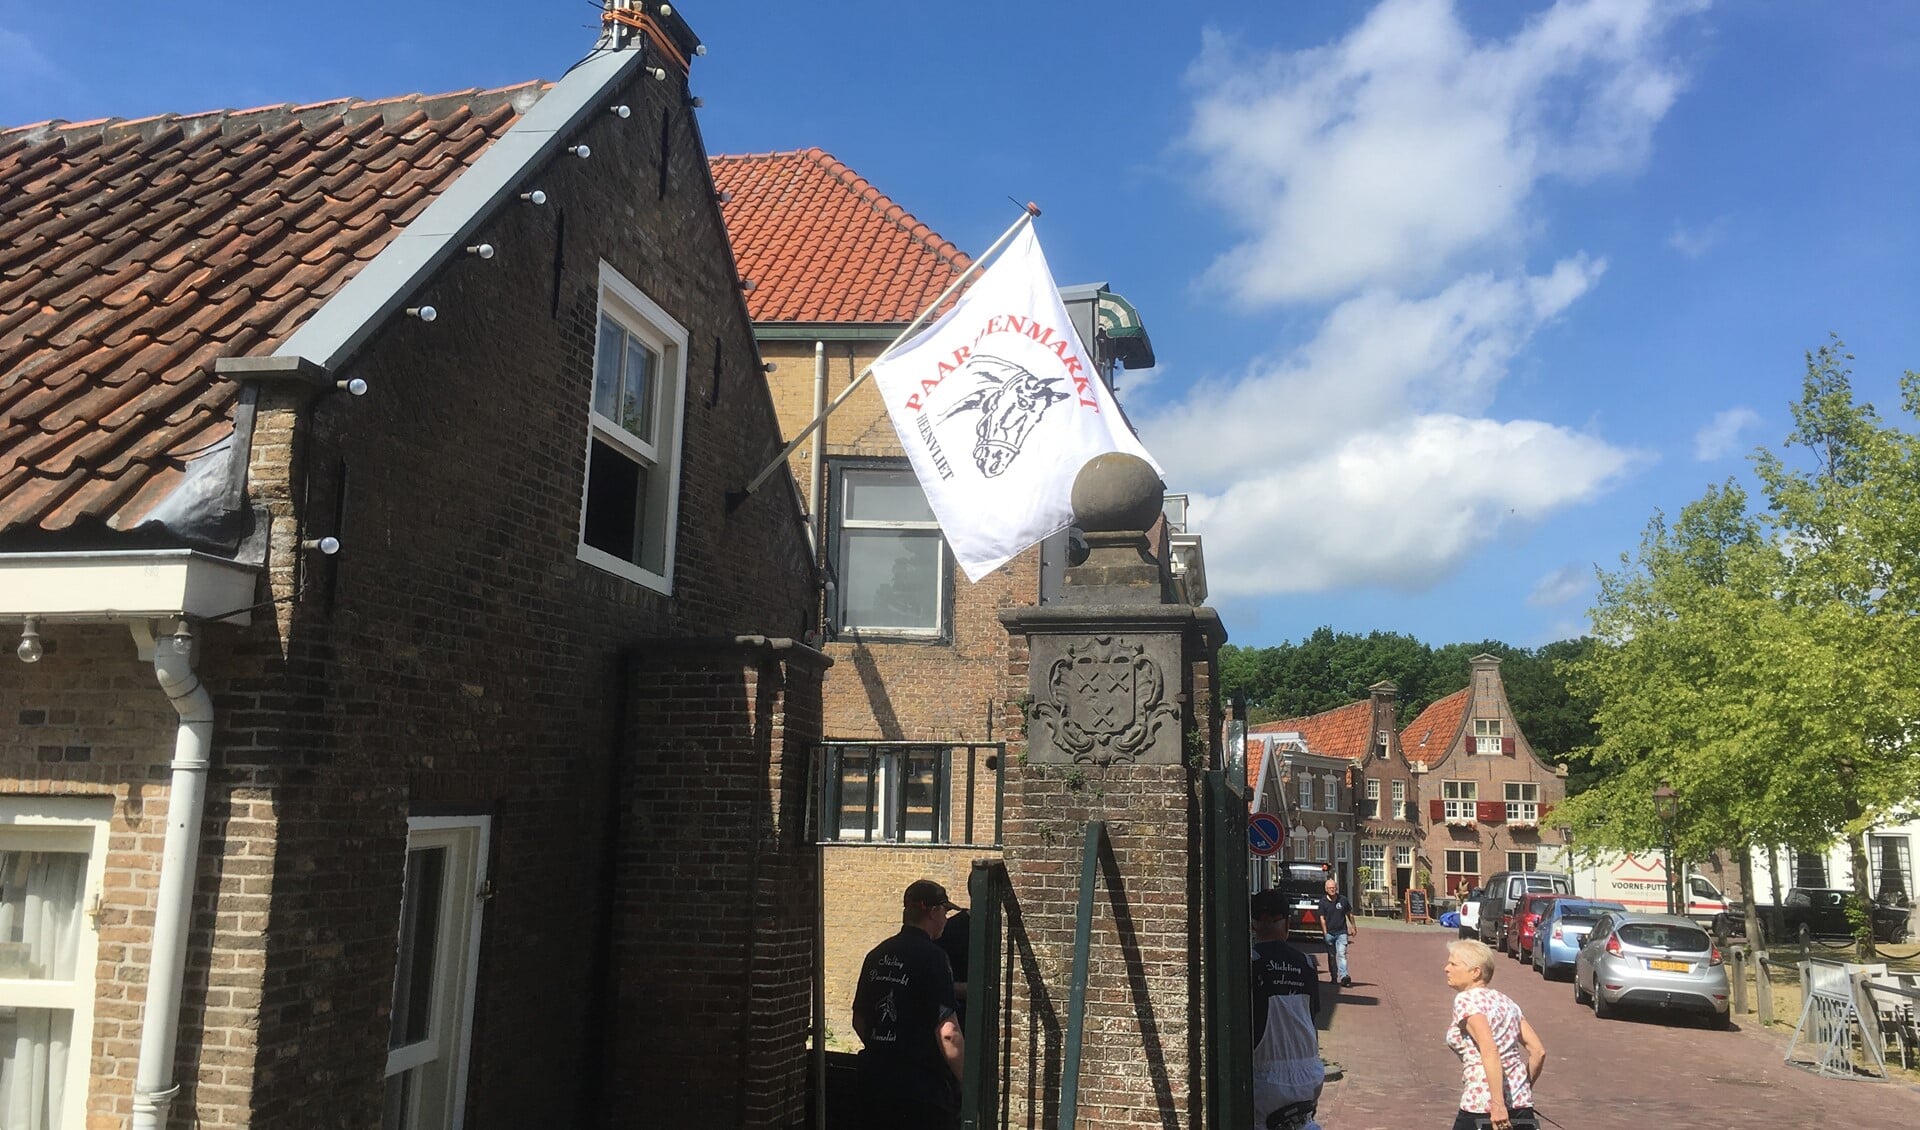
pixel 1638 881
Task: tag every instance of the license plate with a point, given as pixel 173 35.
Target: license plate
pixel 1671 966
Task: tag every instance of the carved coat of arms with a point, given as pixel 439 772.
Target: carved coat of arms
pixel 1105 701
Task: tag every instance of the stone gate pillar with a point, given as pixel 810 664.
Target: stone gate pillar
pixel 1114 684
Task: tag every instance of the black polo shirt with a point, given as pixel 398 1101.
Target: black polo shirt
pixel 1279 970
pixel 904 994
pixel 1334 913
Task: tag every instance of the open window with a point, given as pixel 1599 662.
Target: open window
pixel 629 514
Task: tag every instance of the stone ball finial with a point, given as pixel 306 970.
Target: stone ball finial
pixel 1115 492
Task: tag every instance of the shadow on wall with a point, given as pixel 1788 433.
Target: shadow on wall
pixel 876 691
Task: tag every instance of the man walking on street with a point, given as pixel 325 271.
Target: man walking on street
pixel 907 1018
pixel 1336 916
pixel 1287 1073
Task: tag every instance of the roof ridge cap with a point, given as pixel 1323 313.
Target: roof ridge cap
pixel 889 209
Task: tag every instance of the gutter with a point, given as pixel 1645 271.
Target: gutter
pixel 154 1088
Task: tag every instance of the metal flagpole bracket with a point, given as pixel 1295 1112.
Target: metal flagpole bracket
pixel 736 498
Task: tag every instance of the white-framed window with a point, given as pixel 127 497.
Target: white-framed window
pixel 889 559
pixel 1319 849
pixel 1372 809
pixel 1486 736
pixel 1523 861
pixel 441 905
pixel 1400 801
pixel 1330 793
pixel 1463 870
pixel 1373 857
pixel 1459 799
pixel 885 794
pixel 1403 857
pixel 1306 793
pixel 1297 843
pixel 1523 802
pixel 630 513
pixel 53 854
pixel 1340 849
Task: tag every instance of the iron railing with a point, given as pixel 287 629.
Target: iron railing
pixel 891 771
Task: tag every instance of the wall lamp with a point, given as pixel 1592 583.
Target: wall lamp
pixel 30 649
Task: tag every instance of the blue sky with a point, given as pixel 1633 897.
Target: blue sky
pixel 1448 300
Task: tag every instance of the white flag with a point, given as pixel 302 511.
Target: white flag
pixel 999 406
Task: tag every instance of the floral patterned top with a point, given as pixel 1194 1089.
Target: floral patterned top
pixel 1503 1016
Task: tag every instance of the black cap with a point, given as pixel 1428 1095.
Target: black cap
pixel 925 894
pixel 1271 904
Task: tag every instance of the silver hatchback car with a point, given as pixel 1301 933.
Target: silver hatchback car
pixel 1653 960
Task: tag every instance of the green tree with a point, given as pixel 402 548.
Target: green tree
pixel 1761 662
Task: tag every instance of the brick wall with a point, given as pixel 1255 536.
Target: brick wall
pixel 456 657
pixel 862 885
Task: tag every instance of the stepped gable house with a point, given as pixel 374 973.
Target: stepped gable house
pixel 1482 787
pixel 409 733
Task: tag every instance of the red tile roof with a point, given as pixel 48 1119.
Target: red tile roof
pixel 821 244
pixel 135 253
pixel 1427 739
pixel 1345 731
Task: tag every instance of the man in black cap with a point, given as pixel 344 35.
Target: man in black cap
pixel 907 1018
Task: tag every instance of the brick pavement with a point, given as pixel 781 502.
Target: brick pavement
pixel 1601 1074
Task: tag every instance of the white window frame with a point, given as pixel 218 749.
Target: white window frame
pixel 456 963
pixel 1330 793
pixel 1523 804
pixel 1373 798
pixel 1459 801
pixel 642 318
pixel 928 528
pixel 1306 793
pixel 1879 845
pixel 69 824
pixel 1341 848
pixel 1486 736
pixel 1373 857
pixel 1400 801
pixel 1319 847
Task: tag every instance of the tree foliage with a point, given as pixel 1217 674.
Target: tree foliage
pixel 1330 669
pixel 1761 658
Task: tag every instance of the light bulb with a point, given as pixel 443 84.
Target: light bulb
pixel 30 649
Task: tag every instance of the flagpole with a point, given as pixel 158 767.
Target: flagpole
pixel 736 497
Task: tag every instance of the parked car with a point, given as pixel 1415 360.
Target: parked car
pixel 1658 961
pixel 1812 912
pixel 1303 883
pixel 1504 890
pixel 1562 930
pixel 1470 913
pixel 1526 915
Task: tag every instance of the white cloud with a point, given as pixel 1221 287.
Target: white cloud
pixel 1396 507
pixel 1406 147
pixel 1695 242
pixel 1560 586
pixel 1391 174
pixel 1721 436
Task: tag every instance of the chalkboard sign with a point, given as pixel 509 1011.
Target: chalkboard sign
pixel 1417 909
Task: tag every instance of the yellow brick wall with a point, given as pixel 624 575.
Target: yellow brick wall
pixel 861 894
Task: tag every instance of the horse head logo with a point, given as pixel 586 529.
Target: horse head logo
pixel 1010 401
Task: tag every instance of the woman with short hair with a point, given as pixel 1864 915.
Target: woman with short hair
pixel 1493 1041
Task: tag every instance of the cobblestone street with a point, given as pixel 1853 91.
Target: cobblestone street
pixel 1640 1071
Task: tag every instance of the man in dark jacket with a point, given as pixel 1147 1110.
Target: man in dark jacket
pixel 907 1018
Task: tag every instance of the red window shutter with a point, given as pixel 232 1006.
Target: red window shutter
pixel 1437 810
pixel 1490 811
pixel 1506 746
pixel 1545 810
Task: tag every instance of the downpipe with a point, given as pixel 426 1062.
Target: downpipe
pixel 154 1088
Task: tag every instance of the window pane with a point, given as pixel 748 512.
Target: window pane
pixel 419 942
pixel 920 820
pixel 616 500
pixel 859 804
pixel 890 579
pixel 34 1044
pixel 40 913
pixel 636 391
pixel 885 496
pixel 606 368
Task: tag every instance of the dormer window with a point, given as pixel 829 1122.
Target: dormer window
pixel 1487 737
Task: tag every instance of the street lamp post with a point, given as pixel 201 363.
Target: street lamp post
pixel 1666 805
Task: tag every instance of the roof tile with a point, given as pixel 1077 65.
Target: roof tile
pixel 822 244
pixel 135 253
pixel 1430 735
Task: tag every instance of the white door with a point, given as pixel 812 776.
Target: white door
pixel 433 981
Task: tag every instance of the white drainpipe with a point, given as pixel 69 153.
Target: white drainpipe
pixel 816 526
pixel 154 1088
